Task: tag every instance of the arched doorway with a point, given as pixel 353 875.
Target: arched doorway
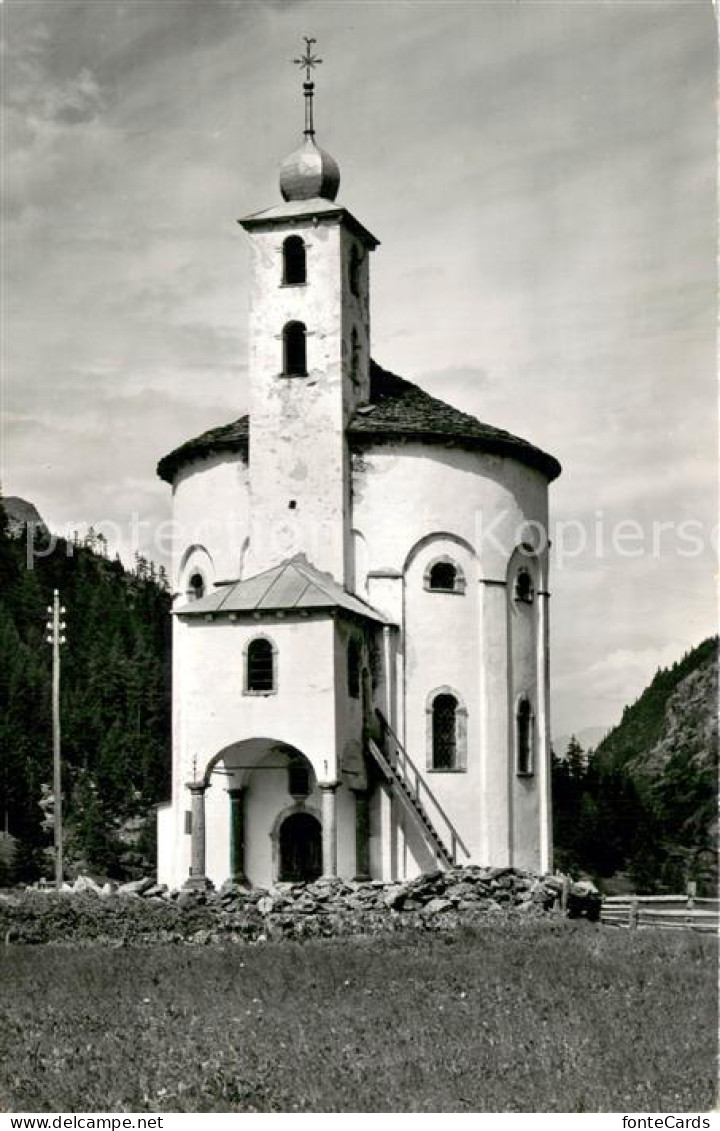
pixel 300 848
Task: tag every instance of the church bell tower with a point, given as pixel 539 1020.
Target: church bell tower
pixel 309 359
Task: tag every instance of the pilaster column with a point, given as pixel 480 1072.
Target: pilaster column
pixel 388 664
pixel 197 878
pixel 362 834
pixel 237 835
pixel 329 828
pixel 543 768
pixel 496 775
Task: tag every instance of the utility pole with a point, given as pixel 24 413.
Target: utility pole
pixel 56 628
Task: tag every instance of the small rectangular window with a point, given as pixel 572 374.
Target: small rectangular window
pixel 298 780
pixel 524 733
pixel 353 668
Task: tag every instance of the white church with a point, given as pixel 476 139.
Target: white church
pixel 360 574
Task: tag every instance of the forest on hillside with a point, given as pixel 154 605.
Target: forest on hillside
pixel 115 704
pixel 644 804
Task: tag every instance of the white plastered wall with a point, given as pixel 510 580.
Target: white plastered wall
pixel 412 503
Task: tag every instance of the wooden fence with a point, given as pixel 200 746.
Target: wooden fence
pixel 667 912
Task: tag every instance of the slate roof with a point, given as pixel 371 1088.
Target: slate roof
pixel 225 438
pixel 294 584
pixel 398 410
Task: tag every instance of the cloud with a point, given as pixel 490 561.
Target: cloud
pixel 79 100
pixel 610 683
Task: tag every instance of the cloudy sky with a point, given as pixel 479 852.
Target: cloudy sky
pixel 541 176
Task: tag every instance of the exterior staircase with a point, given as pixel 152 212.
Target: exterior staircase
pixel 412 791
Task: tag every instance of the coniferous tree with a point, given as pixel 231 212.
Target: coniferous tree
pixel 644 803
pixel 115 698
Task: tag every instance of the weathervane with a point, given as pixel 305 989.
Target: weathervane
pixel 308 62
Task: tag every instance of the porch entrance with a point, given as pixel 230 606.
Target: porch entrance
pixel 300 848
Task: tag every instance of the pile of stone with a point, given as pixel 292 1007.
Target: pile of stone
pixel 145 911
pixel 460 889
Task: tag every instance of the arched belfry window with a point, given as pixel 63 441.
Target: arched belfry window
pixel 294 261
pixel 294 350
pixel 524 589
pixel 444 576
pixel 260 666
pixel 196 586
pixel 447 731
pixel 524 735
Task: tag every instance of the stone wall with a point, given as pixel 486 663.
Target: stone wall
pixel 144 912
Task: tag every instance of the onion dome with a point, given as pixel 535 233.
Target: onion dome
pixel 309 172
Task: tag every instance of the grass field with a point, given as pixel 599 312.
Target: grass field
pixel 512 1016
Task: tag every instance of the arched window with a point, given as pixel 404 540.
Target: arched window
pixel 354 270
pixel 196 586
pixel 524 735
pixel 294 261
pixel 524 589
pixel 298 777
pixel 294 351
pixel 444 576
pixel 447 725
pixel 444 732
pixel 260 666
pixel 353 668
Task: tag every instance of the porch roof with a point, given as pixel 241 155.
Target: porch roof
pixel 294 584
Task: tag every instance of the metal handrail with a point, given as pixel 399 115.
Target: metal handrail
pixel 416 783
pixel 413 807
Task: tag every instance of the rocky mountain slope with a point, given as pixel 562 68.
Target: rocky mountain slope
pixel 646 802
pixel 21 513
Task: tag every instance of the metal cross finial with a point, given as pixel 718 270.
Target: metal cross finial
pixel 308 60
